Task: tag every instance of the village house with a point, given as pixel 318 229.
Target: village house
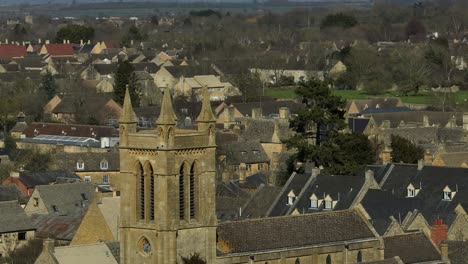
pixel 58 50
pixel 26 181
pixel 16 228
pixel 98 168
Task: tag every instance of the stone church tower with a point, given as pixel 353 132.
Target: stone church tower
pixel 168 187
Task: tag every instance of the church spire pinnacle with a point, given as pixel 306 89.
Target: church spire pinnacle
pixel 206 113
pixel 167 115
pixel 128 115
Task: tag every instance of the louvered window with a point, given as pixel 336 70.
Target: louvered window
pixel 181 194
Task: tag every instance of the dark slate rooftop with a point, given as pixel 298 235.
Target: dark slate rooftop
pixel 258 205
pixel 435 118
pixel 277 233
pixel 458 251
pixel 295 184
pixel 247 152
pixel 13 218
pixel 262 129
pixel 35 129
pixel 431 180
pixel 92 161
pixel 411 248
pixel 189 71
pixel 31 179
pixel 374 110
pixel 268 107
pixel 343 189
pixel 11 193
pixel 358 124
pixel 68 199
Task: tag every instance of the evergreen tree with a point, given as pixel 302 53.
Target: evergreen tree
pixel 124 76
pixel 49 85
pixel 403 150
pixel 318 136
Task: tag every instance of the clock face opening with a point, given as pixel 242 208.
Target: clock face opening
pixel 144 247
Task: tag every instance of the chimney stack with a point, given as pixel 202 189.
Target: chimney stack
pixel 444 250
pixel 428 159
pixel 420 164
pixel 242 173
pixel 465 121
pixel 426 121
pixel 47 42
pixel 369 175
pixel 438 231
pixel 284 113
pixel 386 155
pixel 256 113
pixel 48 245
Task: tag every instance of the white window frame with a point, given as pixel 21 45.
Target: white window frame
pixel 80 165
pixel 104 165
pixel 87 178
pixel 411 193
pixel 105 179
pixel 291 200
pixel 447 196
pixel 248 167
pixel 329 205
pixel 313 203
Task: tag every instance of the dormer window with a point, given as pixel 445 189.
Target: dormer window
pixel 448 194
pixel 328 203
pixel 80 165
pixel 313 201
pixel 291 198
pixel 36 133
pixel 104 165
pixel 412 191
pixel 255 152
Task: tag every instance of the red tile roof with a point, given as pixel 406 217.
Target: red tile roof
pixel 12 51
pixel 60 49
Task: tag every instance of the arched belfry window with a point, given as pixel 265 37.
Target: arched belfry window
pixel 329 260
pixel 182 192
pixel 359 257
pixel 194 171
pixel 140 192
pixel 151 192
pixel 297 261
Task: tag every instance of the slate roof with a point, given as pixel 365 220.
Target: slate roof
pixel 358 124
pixel 411 248
pixel 262 129
pixel 105 69
pixel 268 107
pixel 73 130
pixel 13 218
pixel 343 189
pixel 31 179
pixel 58 227
pixel 67 198
pixel 146 66
pixel 378 102
pixel 374 110
pixel 431 180
pixel 458 251
pixel 92 161
pixel 11 193
pixel 258 205
pixel 189 71
pixel 435 118
pixel 293 231
pixel 248 152
pixel 86 48
pixel 295 184
pixel 30 62
pixel 94 103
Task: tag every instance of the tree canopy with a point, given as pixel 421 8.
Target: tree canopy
pixel 75 33
pixel 403 150
pixel 319 137
pixel 193 259
pixel 339 20
pixel 124 76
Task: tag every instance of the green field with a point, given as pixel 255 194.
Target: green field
pixel 422 98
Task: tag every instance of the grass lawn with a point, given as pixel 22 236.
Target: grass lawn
pixel 421 98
